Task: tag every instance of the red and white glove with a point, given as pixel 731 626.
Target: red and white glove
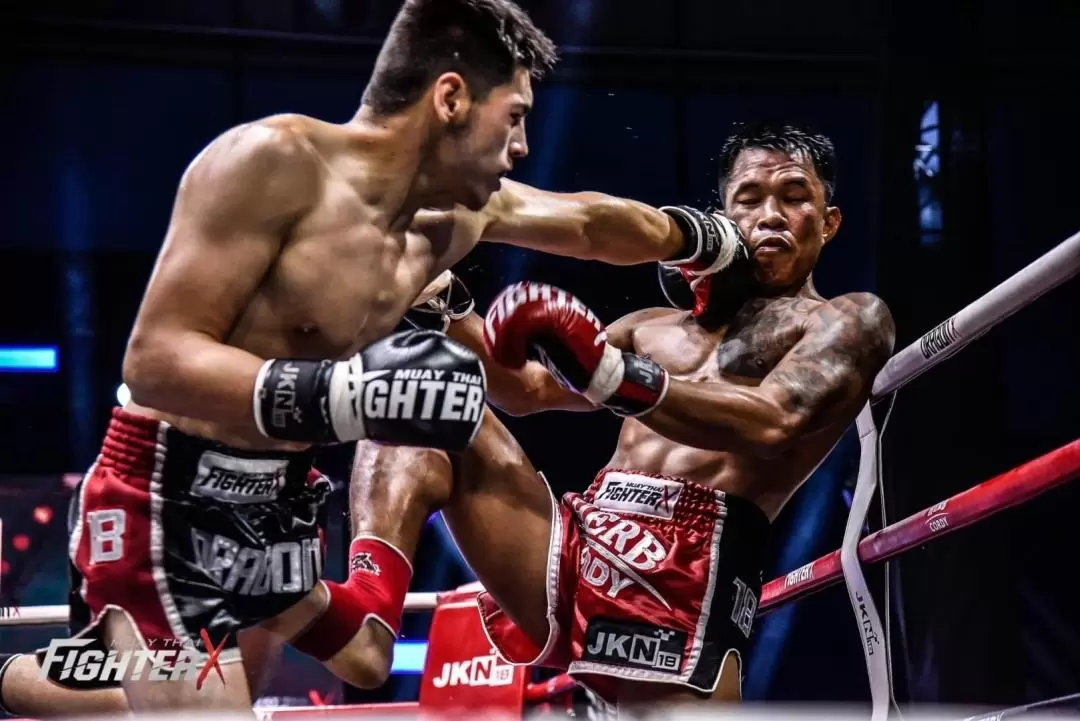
pixel 535 321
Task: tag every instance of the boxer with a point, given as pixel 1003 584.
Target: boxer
pixel 294 248
pixel 645 586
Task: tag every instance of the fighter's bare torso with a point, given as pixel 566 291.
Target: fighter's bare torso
pixel 342 278
pixel 743 352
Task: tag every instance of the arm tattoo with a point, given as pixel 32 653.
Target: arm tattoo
pixel 846 343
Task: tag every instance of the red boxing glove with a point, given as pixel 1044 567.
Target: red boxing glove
pixel 534 321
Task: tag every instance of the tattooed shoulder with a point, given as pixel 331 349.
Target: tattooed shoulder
pixel 866 320
pixel 846 342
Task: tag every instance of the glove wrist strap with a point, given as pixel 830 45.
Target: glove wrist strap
pixel 292 398
pixel 643 388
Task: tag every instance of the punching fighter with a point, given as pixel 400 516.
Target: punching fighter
pixel 645 586
pixel 294 249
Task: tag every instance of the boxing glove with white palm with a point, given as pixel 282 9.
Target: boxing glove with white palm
pixel 535 321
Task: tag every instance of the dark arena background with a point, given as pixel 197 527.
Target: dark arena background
pixel 959 163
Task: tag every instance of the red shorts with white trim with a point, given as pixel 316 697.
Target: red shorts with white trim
pixel 184 535
pixel 652 579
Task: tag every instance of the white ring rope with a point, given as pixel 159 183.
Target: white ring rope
pixel 948 337
pixel 941 342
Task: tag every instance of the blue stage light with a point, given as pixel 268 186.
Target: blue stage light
pixel 409 657
pixel 29 359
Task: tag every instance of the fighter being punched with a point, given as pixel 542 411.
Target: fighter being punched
pixel 294 248
pixel 654 573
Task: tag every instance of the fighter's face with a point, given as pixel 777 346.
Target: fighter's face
pixel 479 152
pixel 779 204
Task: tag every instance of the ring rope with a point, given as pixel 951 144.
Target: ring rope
pixel 944 340
pixel 1006 490
pixel 1071 699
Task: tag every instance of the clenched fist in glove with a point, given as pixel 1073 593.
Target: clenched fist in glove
pixel 534 321
pixel 717 264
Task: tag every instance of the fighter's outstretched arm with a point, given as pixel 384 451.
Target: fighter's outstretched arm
pixel 832 367
pixel 232 208
pixel 589 226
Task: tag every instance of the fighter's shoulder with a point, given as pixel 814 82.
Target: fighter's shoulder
pixel 862 316
pixel 268 148
pixel 465 228
pixel 860 305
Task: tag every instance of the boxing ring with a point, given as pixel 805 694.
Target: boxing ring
pixel 501 686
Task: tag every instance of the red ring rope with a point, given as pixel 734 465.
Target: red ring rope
pixel 1009 489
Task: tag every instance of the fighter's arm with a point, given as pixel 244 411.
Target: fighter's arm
pixel 531 388
pixel 831 368
pixel 233 209
pixel 589 226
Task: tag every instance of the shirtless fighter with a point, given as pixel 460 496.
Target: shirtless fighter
pixel 294 248
pixel 654 573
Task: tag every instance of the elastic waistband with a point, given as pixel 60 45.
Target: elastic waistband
pixel 655 494
pixel 138 444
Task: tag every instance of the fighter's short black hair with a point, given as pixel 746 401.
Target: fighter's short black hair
pixel 788 139
pixel 484 41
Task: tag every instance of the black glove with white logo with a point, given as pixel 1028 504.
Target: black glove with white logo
pixel 414 388
pixel 716 262
pixel 443 301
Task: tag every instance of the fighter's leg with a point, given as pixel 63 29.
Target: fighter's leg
pixel 497 508
pixel 392 492
pixel 228 693
pixel 500 513
pixel 23 692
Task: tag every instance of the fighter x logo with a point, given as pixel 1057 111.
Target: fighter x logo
pixel 211 660
pixel 362 562
pixel 666 498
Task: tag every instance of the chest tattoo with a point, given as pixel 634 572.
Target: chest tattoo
pixel 761 333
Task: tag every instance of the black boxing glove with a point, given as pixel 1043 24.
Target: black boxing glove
pixel 443 301
pixel 413 388
pixel 675 287
pixel 716 263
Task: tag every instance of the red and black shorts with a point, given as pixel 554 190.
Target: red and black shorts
pixel 184 535
pixel 651 578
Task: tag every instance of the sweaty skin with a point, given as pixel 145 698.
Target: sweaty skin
pixel 295 238
pixel 731 435
pixel 752 407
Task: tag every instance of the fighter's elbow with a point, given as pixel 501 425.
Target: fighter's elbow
pixel 776 437
pixel 149 365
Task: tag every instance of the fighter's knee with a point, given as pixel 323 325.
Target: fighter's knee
pixel 425 472
pixel 494 446
pixel 363 663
